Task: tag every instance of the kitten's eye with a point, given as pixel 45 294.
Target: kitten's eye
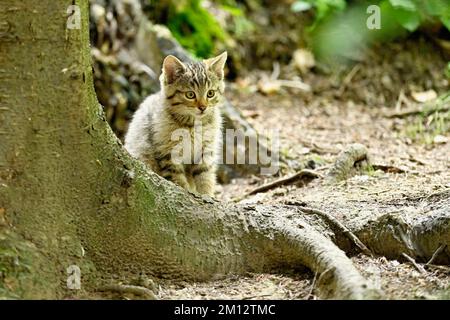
pixel 211 93
pixel 190 94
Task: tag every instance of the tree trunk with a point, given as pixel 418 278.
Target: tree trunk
pixel 71 195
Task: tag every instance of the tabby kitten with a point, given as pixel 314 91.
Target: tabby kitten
pixel 188 100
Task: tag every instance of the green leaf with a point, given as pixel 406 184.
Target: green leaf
pixel 446 21
pixel 447 71
pixel 234 11
pixel 410 20
pixel 404 4
pixel 300 6
pixel 436 7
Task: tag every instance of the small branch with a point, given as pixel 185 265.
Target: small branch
pixel 276 71
pixel 286 181
pixel 305 173
pixel 256 297
pixel 414 263
pixel 294 84
pixel 335 222
pixel 136 290
pixel 401 99
pixel 387 168
pixel 436 254
pixel 312 287
pixel 407 113
pixel 319 149
pixel 349 78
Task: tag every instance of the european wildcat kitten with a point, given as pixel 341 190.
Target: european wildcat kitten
pixel 190 94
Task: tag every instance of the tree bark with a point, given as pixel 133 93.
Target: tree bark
pixel 70 194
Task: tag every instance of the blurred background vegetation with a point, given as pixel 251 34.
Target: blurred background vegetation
pixel 323 43
pixel 333 27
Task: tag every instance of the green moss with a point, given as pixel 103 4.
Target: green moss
pixel 194 27
pixel 18 271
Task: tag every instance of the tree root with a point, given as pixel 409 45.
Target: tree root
pixel 340 226
pixel 346 161
pixel 299 242
pixel 425 239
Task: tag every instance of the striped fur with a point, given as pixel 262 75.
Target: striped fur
pixel 149 135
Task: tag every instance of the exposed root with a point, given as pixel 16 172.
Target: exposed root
pixel 336 223
pixel 391 236
pixel 346 161
pixel 338 277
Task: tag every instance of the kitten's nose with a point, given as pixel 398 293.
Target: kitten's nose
pixel 201 107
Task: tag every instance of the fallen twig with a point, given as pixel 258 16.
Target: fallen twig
pixel 387 168
pixel 335 222
pixel 436 253
pixel 305 173
pixel 136 290
pixel 286 181
pixel 440 104
pixel 348 78
pixel 319 149
pixel 312 287
pixel 256 297
pixel 414 263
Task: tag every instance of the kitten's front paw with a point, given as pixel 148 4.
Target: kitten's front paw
pixel 207 191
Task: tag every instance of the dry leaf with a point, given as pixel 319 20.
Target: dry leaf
pixel 440 139
pixel 303 60
pixel 268 86
pixel 424 96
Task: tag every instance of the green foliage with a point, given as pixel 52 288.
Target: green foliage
pixel 323 8
pixel 199 31
pixel 426 126
pixel 424 129
pixel 340 32
pixel 239 26
pixel 409 14
pixel 194 27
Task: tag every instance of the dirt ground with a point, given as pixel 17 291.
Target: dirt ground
pixel 306 130
pixel 313 131
pixel 313 128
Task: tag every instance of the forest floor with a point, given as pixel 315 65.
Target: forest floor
pixel 420 179
pixel 318 132
pixel 412 151
pixel 415 178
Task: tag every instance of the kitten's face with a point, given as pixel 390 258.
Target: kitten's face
pixel 193 89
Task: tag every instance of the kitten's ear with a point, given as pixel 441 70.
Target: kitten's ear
pixel 217 64
pixel 172 68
